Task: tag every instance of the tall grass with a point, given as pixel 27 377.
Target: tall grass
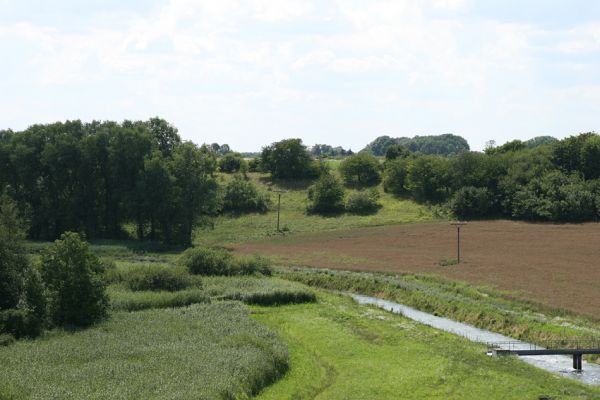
pixel 198 352
pixel 256 290
pixel 122 299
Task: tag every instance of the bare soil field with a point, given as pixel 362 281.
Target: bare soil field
pixel 557 265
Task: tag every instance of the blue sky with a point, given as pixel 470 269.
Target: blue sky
pixel 251 72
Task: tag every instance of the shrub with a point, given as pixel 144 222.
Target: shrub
pixel 232 162
pixel 241 195
pixel 19 323
pixel 472 202
pixel 155 277
pixel 204 261
pixel 326 195
pixel 6 339
pixel 360 170
pixel 73 278
pixel 254 165
pixel 363 202
pixel 395 177
pixel 253 265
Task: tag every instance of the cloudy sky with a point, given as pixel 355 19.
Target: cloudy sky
pixel 251 72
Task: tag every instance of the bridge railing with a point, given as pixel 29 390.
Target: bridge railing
pixel 571 344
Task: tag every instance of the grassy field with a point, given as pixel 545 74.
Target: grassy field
pixel 235 229
pixel 201 352
pixel 547 263
pixel 340 350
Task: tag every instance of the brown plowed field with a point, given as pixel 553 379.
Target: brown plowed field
pixel 554 264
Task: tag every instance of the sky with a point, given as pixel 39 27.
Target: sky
pixel 252 72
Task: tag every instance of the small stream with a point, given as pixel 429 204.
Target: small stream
pixel 560 365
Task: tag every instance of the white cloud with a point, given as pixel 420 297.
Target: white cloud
pixel 581 39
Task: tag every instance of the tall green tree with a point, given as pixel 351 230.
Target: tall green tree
pixel 195 188
pixel 287 159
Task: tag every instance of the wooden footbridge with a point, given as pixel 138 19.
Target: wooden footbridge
pixel 576 348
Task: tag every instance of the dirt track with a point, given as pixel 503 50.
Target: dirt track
pixel 554 264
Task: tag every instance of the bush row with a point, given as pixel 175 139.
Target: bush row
pixel 212 261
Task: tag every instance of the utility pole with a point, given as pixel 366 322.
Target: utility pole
pixel 458 225
pixel 279 192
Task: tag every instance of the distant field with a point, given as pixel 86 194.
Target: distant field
pixel 553 264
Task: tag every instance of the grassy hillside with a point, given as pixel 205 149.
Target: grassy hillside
pixel 293 217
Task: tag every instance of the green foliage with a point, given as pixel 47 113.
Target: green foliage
pixel 396 151
pixel 143 300
pixel 360 170
pixel 427 179
pixel 6 339
pixel 325 150
pixel 13 262
pixel 471 202
pixel 252 265
pixel 96 177
pixel 363 202
pixel 396 177
pixel 254 165
pixel 20 323
pixel 241 195
pixel 72 275
pixel 446 144
pixel 326 195
pixel 214 261
pixel 206 261
pixel 555 197
pixel 155 277
pixel 512 146
pixel 206 352
pixel 258 290
pixel 232 162
pixel 540 141
pixel 195 188
pixel 287 159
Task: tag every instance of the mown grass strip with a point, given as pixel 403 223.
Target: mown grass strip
pixel 340 350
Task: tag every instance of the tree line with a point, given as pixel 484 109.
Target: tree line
pixel 95 177
pixel 446 144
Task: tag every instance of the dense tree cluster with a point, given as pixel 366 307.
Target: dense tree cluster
pixel 288 159
pixel 94 177
pixel 446 144
pixel 556 181
pixel 325 150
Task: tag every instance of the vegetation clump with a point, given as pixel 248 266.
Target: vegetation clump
pixel 360 170
pixel 73 279
pixel 287 159
pixel 155 277
pixel 232 162
pixel 241 195
pixel 363 202
pixel 213 261
pixel 326 195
